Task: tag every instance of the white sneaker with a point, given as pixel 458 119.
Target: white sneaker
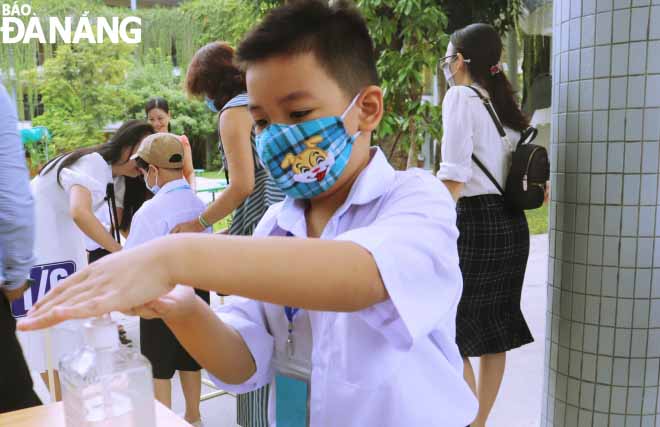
pixel 197 423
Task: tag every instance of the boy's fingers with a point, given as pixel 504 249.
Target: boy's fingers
pixel 55 300
pixel 69 296
pixel 91 308
pixel 79 297
pixel 61 287
pixel 41 321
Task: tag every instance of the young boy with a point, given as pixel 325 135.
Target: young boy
pixel 367 253
pixel 160 159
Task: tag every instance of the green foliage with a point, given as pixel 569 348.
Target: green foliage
pixel 169 31
pixel 23 56
pixel 502 14
pixel 61 8
pixel 156 77
pixel 401 29
pixel 220 20
pixel 81 89
pixel 538 220
pixel 86 87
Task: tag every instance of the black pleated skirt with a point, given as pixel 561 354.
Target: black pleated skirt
pixel 493 248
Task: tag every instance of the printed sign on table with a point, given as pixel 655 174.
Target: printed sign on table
pixel 45 277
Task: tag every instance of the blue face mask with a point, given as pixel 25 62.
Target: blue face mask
pixel 307 159
pixel 210 104
pixel 155 188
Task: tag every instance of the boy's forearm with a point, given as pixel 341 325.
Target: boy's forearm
pixel 314 274
pixel 216 346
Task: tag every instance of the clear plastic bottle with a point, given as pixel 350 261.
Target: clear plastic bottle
pixel 104 384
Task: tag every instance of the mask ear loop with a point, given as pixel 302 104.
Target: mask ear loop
pixel 351 105
pixel 343 116
pixel 156 182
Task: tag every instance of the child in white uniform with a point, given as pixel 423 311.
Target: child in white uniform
pixel 366 252
pixel 160 158
pixel 67 192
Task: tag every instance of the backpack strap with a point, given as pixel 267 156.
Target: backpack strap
pixel 527 136
pixel 488 174
pixel 500 130
pixel 491 112
pixel 112 208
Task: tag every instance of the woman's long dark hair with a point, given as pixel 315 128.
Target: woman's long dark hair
pixel 134 196
pixel 129 134
pixel 481 44
pixel 161 104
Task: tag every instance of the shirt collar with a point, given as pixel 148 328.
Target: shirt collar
pixel 372 183
pixel 172 185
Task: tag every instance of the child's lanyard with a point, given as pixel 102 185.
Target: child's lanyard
pixel 290 313
pixel 183 187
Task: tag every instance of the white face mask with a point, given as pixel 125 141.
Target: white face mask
pixel 449 76
pixel 446 69
pixel 155 188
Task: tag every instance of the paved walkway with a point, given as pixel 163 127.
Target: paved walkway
pixel 519 402
pixel 204 183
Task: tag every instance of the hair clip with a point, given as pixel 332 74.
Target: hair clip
pixel 495 69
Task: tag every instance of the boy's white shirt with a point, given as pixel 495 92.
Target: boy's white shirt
pixel 174 203
pixel 393 364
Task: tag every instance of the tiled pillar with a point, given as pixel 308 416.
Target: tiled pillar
pixel 603 331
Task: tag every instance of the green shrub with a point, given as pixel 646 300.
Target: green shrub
pixel 156 77
pixel 82 91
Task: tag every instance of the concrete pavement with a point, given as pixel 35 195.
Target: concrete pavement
pixel 519 401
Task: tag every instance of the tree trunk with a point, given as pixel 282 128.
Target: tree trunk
pixel 536 73
pixel 208 155
pixel 512 58
pixel 397 158
pixel 414 145
pixel 442 91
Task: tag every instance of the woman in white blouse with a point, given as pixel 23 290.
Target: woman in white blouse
pixel 67 192
pixel 494 240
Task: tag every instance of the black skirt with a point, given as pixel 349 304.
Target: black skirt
pixel 160 346
pixel 493 248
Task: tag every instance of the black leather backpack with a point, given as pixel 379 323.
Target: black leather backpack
pixel 530 167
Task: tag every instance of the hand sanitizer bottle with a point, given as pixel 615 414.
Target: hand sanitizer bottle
pixel 105 385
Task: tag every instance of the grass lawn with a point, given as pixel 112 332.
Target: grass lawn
pixel 226 222
pixel 212 175
pixel 538 220
pixel 222 224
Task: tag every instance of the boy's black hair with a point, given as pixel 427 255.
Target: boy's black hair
pixel 140 163
pixel 337 35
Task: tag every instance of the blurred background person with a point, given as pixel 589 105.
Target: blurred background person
pixel 16 246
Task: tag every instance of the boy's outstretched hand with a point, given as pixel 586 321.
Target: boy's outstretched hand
pixel 118 282
pixel 176 304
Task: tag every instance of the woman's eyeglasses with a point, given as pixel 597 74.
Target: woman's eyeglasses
pixel 444 61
